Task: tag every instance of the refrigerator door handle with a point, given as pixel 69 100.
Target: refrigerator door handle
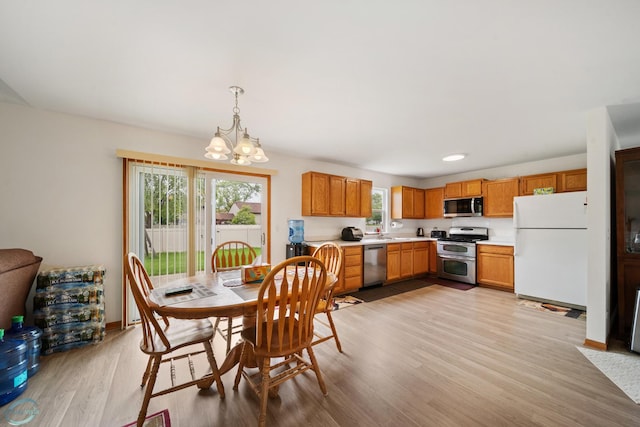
pixel 515 215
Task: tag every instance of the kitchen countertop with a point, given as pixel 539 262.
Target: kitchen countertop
pixel 402 240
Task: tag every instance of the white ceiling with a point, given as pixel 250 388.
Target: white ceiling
pixel 382 85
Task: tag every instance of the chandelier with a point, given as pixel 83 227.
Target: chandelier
pixel 243 149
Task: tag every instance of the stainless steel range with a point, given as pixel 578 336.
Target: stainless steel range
pixel 457 253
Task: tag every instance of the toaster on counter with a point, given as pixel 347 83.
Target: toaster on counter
pixel 438 234
pixel 352 234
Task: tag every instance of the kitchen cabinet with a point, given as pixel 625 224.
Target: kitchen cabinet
pixel 495 266
pixel 627 218
pixel 572 180
pixel 352 270
pixel 469 188
pixel 407 203
pixel 352 197
pixel 498 197
pixel 434 198
pixel 406 260
pixel 365 198
pixel 433 256
pixel 562 181
pixel 420 258
pixel 529 182
pixel 393 261
pixel 332 195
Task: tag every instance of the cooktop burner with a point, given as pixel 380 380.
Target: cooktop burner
pixel 466 234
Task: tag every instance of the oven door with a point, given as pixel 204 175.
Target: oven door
pixel 457 268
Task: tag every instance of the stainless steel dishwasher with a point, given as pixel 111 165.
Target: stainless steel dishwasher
pixel 375 264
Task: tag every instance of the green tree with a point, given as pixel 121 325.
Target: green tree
pixel 244 216
pixel 165 198
pixel 229 192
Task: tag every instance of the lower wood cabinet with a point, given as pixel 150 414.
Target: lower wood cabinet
pixel 406 260
pixel 393 261
pixel 433 256
pixel 495 266
pixel 420 258
pixel 351 271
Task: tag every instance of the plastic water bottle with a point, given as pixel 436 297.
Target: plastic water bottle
pixel 32 336
pixel 13 368
pixel 296 231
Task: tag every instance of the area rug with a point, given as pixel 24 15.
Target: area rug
pixel 374 293
pixel 555 309
pixel 340 303
pixel 623 369
pixel 159 419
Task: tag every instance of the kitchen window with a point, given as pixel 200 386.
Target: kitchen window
pixel 377 222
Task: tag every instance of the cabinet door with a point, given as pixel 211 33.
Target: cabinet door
pixel 472 188
pixel 420 258
pixel 337 195
pixel 315 194
pixel 365 198
pixel 434 202
pixel 528 183
pixel 418 203
pixel 573 180
pixel 433 256
pixel 406 260
pixel 352 197
pixel 495 266
pixel 498 197
pixel 453 190
pixel 396 202
pixel 407 202
pixel 393 261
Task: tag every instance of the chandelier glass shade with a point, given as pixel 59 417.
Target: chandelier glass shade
pixel 235 141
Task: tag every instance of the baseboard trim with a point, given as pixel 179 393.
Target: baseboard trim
pixel 595 344
pixel 113 325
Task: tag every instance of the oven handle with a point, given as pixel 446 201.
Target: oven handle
pixel 461 258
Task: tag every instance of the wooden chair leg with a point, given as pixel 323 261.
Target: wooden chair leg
pixel 241 363
pixel 229 333
pixel 145 375
pixel 215 328
pixel 214 368
pixel 264 393
pixel 334 331
pixel 155 365
pixel 316 369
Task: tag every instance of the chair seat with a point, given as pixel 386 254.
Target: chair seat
pixel 250 334
pixel 180 333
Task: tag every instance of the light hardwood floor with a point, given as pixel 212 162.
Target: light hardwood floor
pixel 431 357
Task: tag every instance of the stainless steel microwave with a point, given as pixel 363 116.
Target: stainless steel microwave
pixel 466 206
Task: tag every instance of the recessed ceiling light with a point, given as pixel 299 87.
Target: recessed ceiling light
pixel 454 157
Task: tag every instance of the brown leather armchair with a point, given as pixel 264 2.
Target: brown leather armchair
pixel 18 269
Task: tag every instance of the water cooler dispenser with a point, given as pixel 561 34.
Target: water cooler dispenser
pixel 296 245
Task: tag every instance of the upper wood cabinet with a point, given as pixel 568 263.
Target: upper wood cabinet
pixel 332 195
pixel 365 198
pixel 407 202
pixel 469 188
pixel 570 180
pixel 434 202
pixel 573 180
pixel 498 197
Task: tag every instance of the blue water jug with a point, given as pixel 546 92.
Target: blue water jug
pixel 13 368
pixel 32 336
pixel 296 231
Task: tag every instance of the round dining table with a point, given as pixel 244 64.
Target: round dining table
pixel 221 294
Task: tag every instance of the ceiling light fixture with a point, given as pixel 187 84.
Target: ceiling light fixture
pixel 453 157
pixel 243 148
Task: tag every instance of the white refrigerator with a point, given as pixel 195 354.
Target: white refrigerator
pixel 551 247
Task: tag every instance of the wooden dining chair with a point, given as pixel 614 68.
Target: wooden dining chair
pixel 287 301
pixel 331 255
pixel 161 337
pixel 229 256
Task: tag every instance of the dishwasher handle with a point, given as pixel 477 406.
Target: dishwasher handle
pixel 369 247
